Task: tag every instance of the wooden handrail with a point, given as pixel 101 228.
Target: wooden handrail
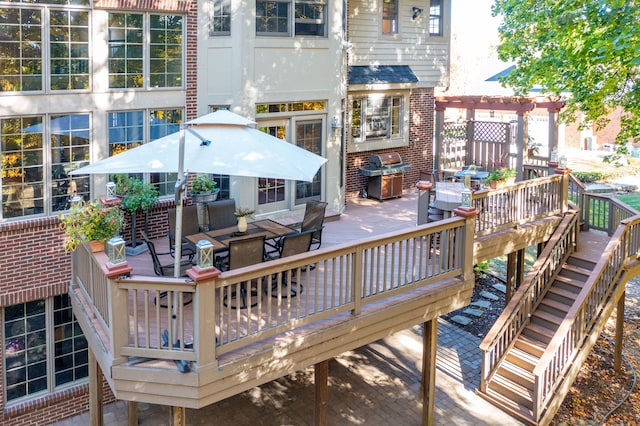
pixel 623 248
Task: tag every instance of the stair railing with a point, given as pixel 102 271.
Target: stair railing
pixel 517 313
pixel 585 312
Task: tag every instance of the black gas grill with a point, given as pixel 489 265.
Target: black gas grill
pixel 386 175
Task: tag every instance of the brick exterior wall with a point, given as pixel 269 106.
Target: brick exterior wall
pixel 419 153
pixel 33 264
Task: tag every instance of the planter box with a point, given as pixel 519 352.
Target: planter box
pixel 205 198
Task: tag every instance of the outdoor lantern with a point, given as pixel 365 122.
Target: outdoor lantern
pixel 204 252
pixel 562 162
pixel 116 252
pixel 111 190
pixel 466 197
pixel 554 156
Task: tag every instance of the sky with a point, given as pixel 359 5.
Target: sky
pixel 474 35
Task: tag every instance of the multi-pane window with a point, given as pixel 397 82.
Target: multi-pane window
pixel 126 50
pixel 274 17
pixel 435 18
pixel 21 50
pixel 389 16
pixel 219 17
pixel 69 49
pixel 127 130
pixel 24 45
pixel 128 58
pixel 165 51
pixel 29 163
pixel 31 366
pixel 376 117
pixel 272 190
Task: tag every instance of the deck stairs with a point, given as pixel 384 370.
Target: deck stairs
pixel 512 385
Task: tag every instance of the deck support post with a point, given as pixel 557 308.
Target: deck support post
pixel 321 378
pixel 178 416
pixel 520 268
pixel 428 386
pixel 617 357
pixel 96 417
pixel 132 407
pixel 511 276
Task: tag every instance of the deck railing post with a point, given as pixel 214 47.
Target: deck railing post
pixel 118 304
pixel 564 188
pixel 357 280
pixel 469 214
pixel 204 314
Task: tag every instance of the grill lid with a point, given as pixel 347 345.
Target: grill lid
pixel 389 159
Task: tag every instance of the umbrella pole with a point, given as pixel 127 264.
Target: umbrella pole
pixel 179 195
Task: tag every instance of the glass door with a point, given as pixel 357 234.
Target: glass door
pixel 308 135
pixel 273 194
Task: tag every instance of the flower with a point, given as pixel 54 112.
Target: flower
pixel 243 211
pixel 89 221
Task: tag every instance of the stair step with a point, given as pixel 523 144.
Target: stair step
pixel 573 271
pixel 522 358
pixel 561 295
pixel 512 390
pixel 539 332
pixel 579 260
pixel 551 320
pixel 568 283
pixel 553 305
pixel 517 374
pixel 530 345
pixel 516 410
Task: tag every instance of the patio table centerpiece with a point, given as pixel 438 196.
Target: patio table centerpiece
pixel 242 213
pixel 90 222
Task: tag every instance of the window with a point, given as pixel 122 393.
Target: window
pixel 435 18
pixel 219 17
pixel 127 61
pixel 21 50
pixel 34 170
pixel 31 366
pixel 376 117
pixel 274 18
pixel 309 136
pixel 25 44
pixel 389 16
pixel 165 51
pixel 126 131
pixel 69 49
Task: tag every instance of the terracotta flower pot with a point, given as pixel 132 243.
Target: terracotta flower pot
pixel 96 246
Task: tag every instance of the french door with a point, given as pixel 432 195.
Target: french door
pixel 279 194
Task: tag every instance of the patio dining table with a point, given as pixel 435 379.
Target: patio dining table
pixel 220 237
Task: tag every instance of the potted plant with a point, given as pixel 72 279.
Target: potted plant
pixel 203 189
pixel 501 176
pixel 89 222
pixel 242 213
pixel 137 196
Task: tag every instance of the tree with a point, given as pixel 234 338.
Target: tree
pixel 586 49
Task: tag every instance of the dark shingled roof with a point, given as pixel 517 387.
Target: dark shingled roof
pixel 372 74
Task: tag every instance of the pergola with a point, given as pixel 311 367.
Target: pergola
pixel 519 104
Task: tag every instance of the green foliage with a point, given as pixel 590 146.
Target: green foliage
pixel 589 177
pixel 89 221
pixel 135 194
pixel 202 184
pixel 586 48
pixel 503 173
pixel 632 200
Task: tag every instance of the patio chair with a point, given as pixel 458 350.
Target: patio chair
pixel 165 270
pixel 244 252
pixel 190 226
pixel 291 245
pixel 314 220
pixel 221 214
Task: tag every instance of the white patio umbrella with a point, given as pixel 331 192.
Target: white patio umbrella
pixel 220 142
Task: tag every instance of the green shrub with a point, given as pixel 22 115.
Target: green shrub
pixel 589 177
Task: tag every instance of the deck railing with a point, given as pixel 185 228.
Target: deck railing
pixel 516 314
pixel 586 310
pixel 346 279
pixel 519 203
pixel 599 212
